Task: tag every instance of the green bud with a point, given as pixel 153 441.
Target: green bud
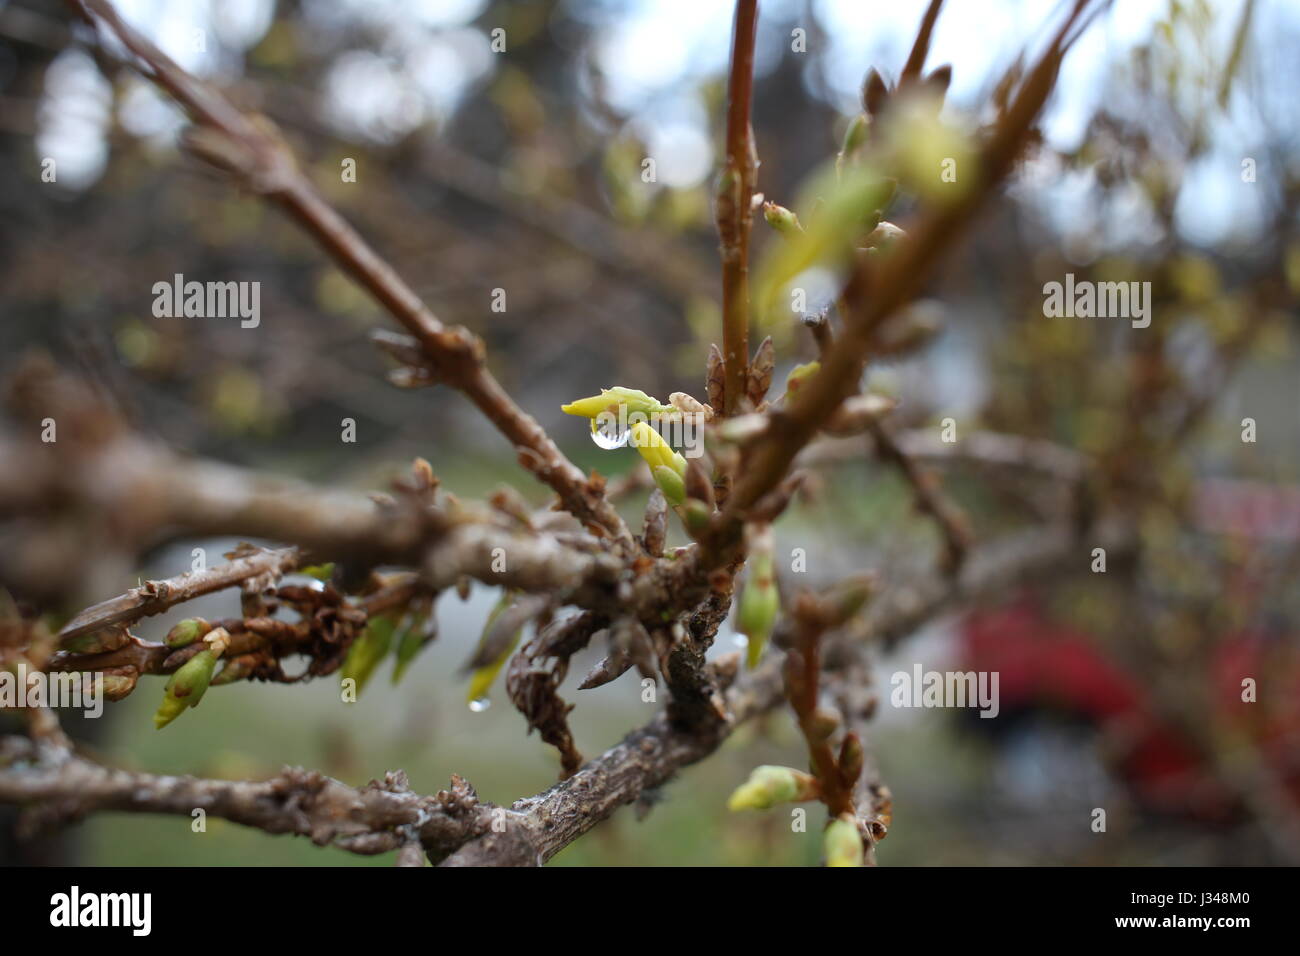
pixel 170 708
pixel 695 515
pixel 186 687
pixel 842 843
pixel 851 759
pixel 321 572
pixel 781 219
pixel 671 484
pixel 118 681
pixel 97 642
pixel 186 632
pixel 651 446
pixel 728 184
pixel 856 134
pixel 759 601
pixel 799 375
pixel 769 785
pixel 367 651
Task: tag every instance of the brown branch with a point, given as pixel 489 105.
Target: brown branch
pixel 929 497
pixel 60 787
pixel 735 207
pixel 539 827
pixel 155 597
pixel 803 671
pixel 873 294
pixel 534 678
pixel 252 151
pixel 456 825
pixel 921 46
pixel 993 450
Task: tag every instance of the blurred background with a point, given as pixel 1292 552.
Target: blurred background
pixel 522 170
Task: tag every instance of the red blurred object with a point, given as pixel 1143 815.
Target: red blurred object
pixel 1046 667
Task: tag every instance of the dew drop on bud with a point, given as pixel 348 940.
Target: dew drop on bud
pixel 608 432
pixel 740 640
pixel 479 704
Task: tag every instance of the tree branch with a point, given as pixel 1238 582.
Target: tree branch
pixel 250 149
pixel 735 208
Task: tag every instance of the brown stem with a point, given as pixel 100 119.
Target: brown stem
pixel 921 46
pixel 804 679
pixel 735 211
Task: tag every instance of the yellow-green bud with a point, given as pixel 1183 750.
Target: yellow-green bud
pixel 781 219
pixel 186 632
pixel 769 785
pixel 842 843
pixel 695 515
pixel 635 400
pixel 799 375
pixel 170 708
pixel 671 484
pixel 759 601
pixel 757 616
pixel 656 451
pixel 186 687
pixel 322 572
pixel 856 134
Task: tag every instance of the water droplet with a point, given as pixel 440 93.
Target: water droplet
pixel 740 640
pixel 479 704
pixel 607 432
